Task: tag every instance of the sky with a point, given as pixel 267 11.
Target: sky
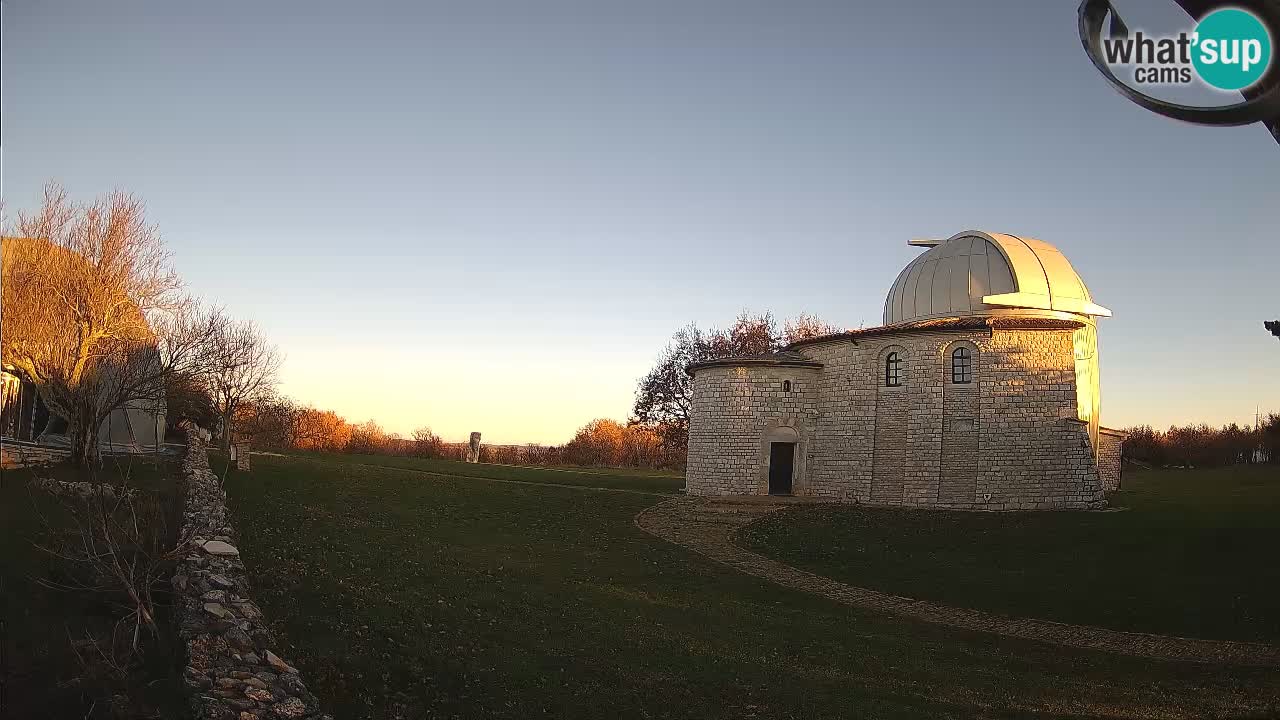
pixel 492 215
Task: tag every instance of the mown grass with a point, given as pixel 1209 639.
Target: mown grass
pixel 1193 553
pixel 659 481
pixel 42 674
pixel 407 595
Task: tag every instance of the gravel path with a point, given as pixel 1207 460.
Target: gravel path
pixel 708 527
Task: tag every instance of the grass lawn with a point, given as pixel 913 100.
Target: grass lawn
pixel 40 676
pixel 658 481
pixel 407 595
pixel 1193 554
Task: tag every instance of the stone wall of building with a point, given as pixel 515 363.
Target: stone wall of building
pixel 736 411
pixel 1011 440
pixel 232 672
pixel 1035 452
pixel 1110 457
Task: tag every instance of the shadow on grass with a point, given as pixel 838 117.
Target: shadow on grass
pixel 405 595
pixel 50 668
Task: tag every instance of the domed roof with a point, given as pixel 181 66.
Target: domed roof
pixel 980 273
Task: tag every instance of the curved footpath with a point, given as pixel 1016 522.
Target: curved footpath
pixel 708 527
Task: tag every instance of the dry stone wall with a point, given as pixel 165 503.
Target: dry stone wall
pixel 1008 441
pixel 232 671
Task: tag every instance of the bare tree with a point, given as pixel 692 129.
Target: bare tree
pixel 92 314
pixel 269 422
pixel 120 541
pixel 805 326
pixel 241 367
pixel 187 397
pixel 312 429
pixel 665 394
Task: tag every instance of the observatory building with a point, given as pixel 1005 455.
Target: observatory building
pixel 979 391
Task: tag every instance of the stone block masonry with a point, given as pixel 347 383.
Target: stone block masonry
pixel 232 670
pixel 1009 438
pixel 16 454
pixel 1110 457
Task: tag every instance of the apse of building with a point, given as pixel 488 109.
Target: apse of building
pixel 979 391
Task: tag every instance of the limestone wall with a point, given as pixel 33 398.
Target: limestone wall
pixel 232 672
pixel 1110 457
pixel 735 412
pixel 1010 440
pixel 14 454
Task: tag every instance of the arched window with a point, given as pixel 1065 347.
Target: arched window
pixel 892 370
pixel 786 386
pixel 961 366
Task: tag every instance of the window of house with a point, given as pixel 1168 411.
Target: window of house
pixel 786 386
pixel 962 365
pixel 892 370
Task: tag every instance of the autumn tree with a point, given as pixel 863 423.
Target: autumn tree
pixel 664 396
pixel 367 438
pixel 266 421
pixel 241 367
pixel 805 326
pixel 599 443
pixel 92 312
pixel 427 444
pixel 314 429
pixel 642 446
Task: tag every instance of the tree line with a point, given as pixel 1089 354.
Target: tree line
pixel 279 423
pixel 1205 446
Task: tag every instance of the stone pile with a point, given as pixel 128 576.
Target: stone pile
pixel 232 672
pixel 82 490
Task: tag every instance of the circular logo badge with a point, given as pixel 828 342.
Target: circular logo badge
pixel 1232 49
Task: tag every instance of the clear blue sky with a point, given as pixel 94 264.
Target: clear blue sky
pixel 491 215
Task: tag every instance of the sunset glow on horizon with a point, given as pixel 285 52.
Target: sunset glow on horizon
pixel 493 219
